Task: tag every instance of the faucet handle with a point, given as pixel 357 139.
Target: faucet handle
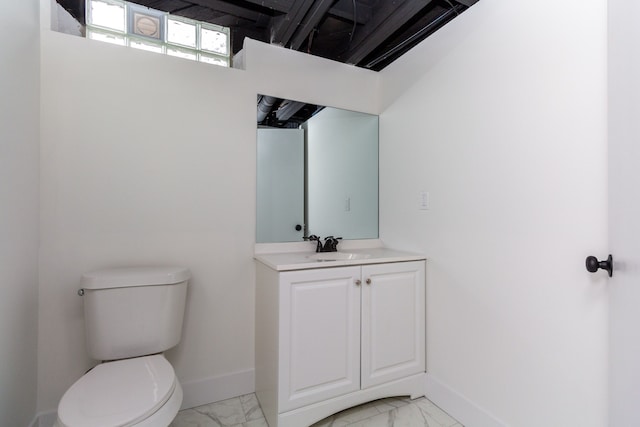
pixel 331 243
pixel 312 238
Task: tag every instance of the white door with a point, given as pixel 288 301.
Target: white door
pixel 280 185
pixel 624 212
pixel 393 321
pixel 319 335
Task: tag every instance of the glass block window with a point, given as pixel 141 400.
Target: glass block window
pixel 214 40
pixel 107 14
pixel 129 24
pixel 107 37
pixel 182 32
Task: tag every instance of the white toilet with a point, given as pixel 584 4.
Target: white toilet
pixel 131 315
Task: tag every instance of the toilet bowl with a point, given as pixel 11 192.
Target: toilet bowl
pixel 132 315
pixel 140 392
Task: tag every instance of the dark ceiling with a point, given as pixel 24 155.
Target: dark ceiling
pixel 367 33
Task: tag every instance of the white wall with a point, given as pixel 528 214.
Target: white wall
pixel 19 116
pixel 624 211
pixel 148 159
pixel 501 116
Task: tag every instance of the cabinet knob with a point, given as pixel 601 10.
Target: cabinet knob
pixel 358 282
pixel 368 281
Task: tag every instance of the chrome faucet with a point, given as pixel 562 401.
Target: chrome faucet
pixel 330 243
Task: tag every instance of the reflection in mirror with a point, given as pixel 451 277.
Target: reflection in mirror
pixel 317 172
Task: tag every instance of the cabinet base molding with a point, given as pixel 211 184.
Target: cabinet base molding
pixel 413 386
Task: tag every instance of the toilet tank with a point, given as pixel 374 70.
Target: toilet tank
pixel 134 311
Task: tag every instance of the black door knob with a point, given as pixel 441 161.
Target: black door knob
pixel 298 227
pixel 593 264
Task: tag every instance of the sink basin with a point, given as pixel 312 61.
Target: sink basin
pixel 337 256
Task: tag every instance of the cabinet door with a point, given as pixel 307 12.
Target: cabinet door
pixel 393 321
pixel 319 335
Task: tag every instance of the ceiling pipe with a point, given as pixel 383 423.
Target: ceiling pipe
pixel 265 105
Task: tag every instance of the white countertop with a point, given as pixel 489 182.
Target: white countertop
pixel 304 260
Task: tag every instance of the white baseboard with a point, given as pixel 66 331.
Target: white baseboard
pixel 196 393
pixel 215 389
pixel 458 406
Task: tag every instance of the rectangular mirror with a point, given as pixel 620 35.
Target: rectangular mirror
pixel 317 172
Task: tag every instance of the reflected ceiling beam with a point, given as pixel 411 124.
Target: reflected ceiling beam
pixel 383 24
pixel 288 109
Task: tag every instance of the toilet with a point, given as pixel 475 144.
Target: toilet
pixel 132 315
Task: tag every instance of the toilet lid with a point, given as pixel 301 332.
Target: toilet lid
pixel 118 394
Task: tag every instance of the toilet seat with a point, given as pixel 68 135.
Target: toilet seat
pixel 122 393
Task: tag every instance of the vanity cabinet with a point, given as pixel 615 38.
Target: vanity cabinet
pixel 331 338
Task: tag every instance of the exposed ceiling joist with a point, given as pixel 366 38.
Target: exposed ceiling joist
pixel 282 6
pixel 411 38
pixel 225 7
pixel 310 22
pixel 366 33
pixel 384 23
pixel 287 24
pixel 467 3
pixel 345 9
pixel 169 5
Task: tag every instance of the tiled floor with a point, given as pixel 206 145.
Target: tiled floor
pixel 244 411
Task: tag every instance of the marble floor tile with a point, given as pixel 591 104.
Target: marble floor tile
pixel 348 416
pixel 405 416
pixel 431 411
pixel 244 411
pixel 193 418
pixel 260 422
pixel 251 407
pixel 226 413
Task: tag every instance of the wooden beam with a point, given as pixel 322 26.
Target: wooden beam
pixel 385 21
